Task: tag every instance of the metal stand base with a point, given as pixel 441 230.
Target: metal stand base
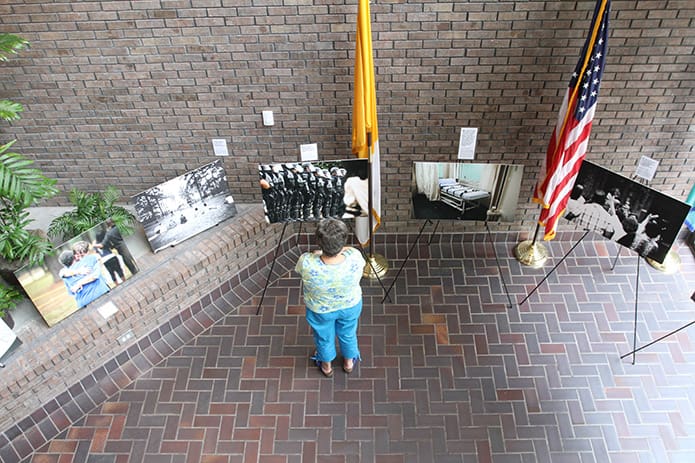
pixel 671 264
pixel 376 267
pixel 531 254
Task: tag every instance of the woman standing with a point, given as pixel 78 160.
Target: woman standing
pixel 332 294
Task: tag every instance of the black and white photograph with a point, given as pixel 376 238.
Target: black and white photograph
pixel 625 211
pixel 80 271
pixel 309 191
pixel 182 207
pixel 465 191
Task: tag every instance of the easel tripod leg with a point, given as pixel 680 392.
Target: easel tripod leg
pixel 616 259
pixel 272 265
pixel 436 225
pixel 586 232
pixel 410 251
pixel 634 330
pixel 499 267
pixel 658 339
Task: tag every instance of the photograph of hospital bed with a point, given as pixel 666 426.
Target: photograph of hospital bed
pixel 465 191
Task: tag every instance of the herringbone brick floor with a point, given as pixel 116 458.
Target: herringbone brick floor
pixel 450 373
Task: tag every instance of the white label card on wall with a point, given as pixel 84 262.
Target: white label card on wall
pixel 646 168
pixel 309 152
pixel 219 146
pixel 467 141
pixel 107 310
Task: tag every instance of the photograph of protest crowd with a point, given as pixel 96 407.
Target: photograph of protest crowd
pixel 625 211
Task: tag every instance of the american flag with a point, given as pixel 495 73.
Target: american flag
pixel 570 138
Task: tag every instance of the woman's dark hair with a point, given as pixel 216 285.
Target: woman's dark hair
pixel 66 258
pixel 331 235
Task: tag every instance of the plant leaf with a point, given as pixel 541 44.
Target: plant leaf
pixel 10 44
pixel 21 183
pixel 9 110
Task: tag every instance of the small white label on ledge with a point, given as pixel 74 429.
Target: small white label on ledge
pixel 107 310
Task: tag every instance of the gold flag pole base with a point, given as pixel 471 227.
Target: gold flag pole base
pixel 376 267
pixel 671 264
pixel 531 254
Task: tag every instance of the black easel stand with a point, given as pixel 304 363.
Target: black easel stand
pixel 655 341
pixel 436 225
pixel 270 273
pixel 410 251
pixel 634 327
pixel 367 259
pixel 635 349
pixel 617 256
pixel 499 267
pixel 586 232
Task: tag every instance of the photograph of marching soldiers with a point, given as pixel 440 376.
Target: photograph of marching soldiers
pixel 625 211
pixel 308 191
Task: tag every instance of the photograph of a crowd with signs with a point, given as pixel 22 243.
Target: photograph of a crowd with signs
pixel 309 191
pixel 625 211
pixel 78 273
pixel 182 207
pixel 465 191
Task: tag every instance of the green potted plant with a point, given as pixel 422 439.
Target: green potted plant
pixel 91 209
pixel 21 187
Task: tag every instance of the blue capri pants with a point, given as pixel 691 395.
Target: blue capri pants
pixel 327 326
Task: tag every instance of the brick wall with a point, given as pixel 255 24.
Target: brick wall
pixel 131 93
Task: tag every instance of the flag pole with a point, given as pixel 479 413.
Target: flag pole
pixel 530 252
pixel 377 266
pixel 566 151
pixel 371 200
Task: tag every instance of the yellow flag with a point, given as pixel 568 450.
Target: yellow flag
pixel 365 133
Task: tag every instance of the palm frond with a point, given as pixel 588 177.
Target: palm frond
pixel 19 181
pixel 10 44
pixel 17 243
pixel 110 195
pixel 91 209
pixel 9 297
pixel 9 110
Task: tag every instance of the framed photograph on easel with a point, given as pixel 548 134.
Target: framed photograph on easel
pixel 625 211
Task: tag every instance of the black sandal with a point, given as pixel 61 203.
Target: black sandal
pixel 319 363
pixel 327 374
pixel 349 370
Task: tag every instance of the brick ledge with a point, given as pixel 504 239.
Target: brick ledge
pixel 170 282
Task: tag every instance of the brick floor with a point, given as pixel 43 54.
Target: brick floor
pixel 451 371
